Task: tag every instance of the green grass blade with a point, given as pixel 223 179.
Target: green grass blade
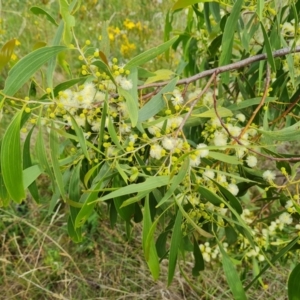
pixel 11 160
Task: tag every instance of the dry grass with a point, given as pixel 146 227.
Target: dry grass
pixel 39 261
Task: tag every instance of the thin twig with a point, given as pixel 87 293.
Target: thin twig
pixel 226 68
pixel 286 112
pixel 261 103
pixel 289 159
pixel 213 77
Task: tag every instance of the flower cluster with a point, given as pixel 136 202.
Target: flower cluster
pixel 124 37
pixel 210 254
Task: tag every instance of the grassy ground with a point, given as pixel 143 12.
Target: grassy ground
pixel 37 259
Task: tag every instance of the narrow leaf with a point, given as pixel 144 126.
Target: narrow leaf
pixel 175 243
pixel 293 284
pixel 28 163
pixel 250 102
pixel 151 232
pixel 6 52
pixel 4 196
pixel 104 67
pixel 185 3
pixel 11 160
pixel 74 195
pixel 69 21
pixel 127 212
pixel 211 113
pixel 276 257
pixel 79 133
pixel 192 223
pixel 105 41
pixel 148 184
pixel 52 62
pixel 113 133
pixel 27 66
pixel 132 106
pixel 228 36
pixel 270 57
pixel 233 160
pixel 234 202
pixel 30 175
pixel 160 75
pixel 150 54
pixel 89 198
pixel 232 276
pixel 157 103
pixel 290 133
pixel 40 11
pixel 199 262
pixel 54 153
pixel 259 9
pixel 176 180
pixel 152 258
pixel 42 155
